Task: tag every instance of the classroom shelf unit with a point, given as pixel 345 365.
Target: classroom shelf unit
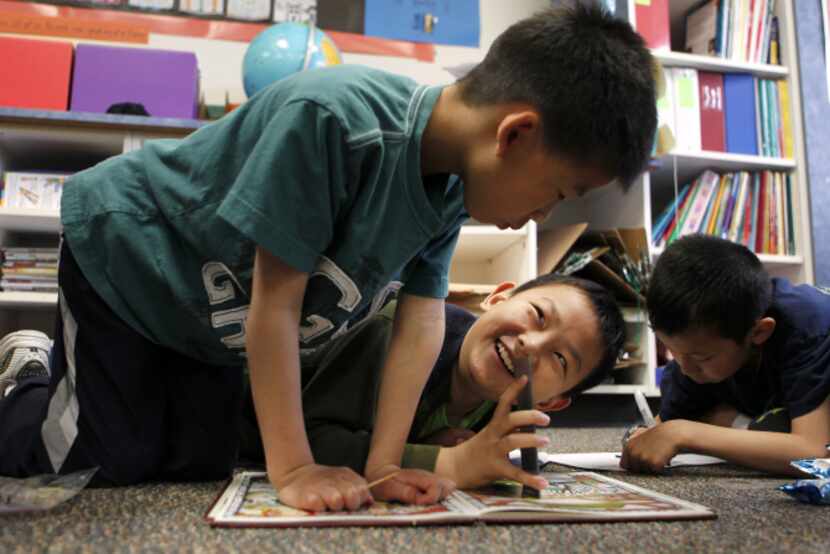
pixel 610 207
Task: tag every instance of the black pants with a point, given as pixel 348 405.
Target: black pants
pixel 116 401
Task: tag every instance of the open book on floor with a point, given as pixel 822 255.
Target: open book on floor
pixel 249 501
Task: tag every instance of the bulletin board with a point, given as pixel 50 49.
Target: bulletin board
pixel 816 109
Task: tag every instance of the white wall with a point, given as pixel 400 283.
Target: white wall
pixel 220 61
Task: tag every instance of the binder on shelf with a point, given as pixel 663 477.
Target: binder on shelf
pixel 712 115
pixel 741 127
pixel 686 108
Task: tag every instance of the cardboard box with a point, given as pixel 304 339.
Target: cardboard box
pixel 35 73
pixel 165 82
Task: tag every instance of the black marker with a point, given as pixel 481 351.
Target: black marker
pixel 530 456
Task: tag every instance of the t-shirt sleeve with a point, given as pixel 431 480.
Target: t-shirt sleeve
pixel 430 274
pixel 682 398
pixel 287 195
pixel 805 380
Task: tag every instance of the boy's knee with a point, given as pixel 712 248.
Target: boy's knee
pixel 129 465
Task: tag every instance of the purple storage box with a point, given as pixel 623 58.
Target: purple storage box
pixel 166 82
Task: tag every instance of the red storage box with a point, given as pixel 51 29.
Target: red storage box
pixel 35 73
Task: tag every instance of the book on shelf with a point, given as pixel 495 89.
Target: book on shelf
pixel 739 97
pixel 739 30
pixel 750 208
pixel 249 500
pixel 29 269
pixel 712 114
pixel 32 190
pixel 652 21
pixel 686 108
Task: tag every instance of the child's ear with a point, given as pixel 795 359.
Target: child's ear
pixel 762 331
pixel 515 126
pixel 554 404
pixel 499 294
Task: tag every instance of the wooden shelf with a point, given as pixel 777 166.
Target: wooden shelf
pixel 39 221
pixel 723 65
pixel 27 300
pixel 691 164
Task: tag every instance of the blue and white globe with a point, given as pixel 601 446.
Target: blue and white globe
pixel 280 50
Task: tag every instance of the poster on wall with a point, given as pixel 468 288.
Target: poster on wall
pixel 202 7
pixel 152 4
pixel 298 11
pixel 249 10
pixel 454 22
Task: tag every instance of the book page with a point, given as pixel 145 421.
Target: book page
pixel 583 496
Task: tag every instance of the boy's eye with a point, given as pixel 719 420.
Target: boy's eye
pixel 539 313
pixel 563 362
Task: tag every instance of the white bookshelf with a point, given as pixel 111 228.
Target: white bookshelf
pixel 39 140
pixel 610 207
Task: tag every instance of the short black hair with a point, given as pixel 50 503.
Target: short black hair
pixel 591 77
pixel 709 283
pixel 609 317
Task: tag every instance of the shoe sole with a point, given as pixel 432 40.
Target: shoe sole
pixel 23 339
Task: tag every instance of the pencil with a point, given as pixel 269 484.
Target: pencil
pixel 382 479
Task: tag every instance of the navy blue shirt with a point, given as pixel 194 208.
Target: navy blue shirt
pixel 794 372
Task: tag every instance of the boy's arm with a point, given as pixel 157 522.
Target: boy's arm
pixel 652 449
pixel 273 357
pixel 417 335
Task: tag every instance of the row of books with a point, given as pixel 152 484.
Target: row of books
pixel 739 30
pixel 727 112
pixel 40 191
pixel 752 208
pixel 29 269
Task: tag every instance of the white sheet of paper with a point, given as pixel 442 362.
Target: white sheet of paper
pixel 610 461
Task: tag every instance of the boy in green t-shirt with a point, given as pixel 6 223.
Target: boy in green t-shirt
pixel 264 235
pixel 463 426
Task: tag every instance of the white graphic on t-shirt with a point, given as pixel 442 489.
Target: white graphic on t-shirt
pixel 235 316
pixel 219 290
pixel 219 280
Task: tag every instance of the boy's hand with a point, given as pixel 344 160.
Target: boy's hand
pixel 411 486
pixel 650 450
pixel 484 458
pixel 320 488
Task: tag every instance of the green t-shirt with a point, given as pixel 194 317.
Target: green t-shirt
pixel 322 169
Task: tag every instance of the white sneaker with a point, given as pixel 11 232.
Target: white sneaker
pixel 23 354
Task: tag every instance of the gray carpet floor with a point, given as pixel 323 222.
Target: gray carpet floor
pixel 753 517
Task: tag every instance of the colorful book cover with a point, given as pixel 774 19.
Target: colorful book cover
pixel 761 223
pixel 708 181
pixel 747 223
pixel 780 235
pixel 730 205
pixel 712 116
pixel 726 185
pixel 675 222
pixel 668 214
pixel 249 500
pixel 741 128
pixel 786 118
pixel 680 223
pixel 711 225
pixel 790 217
pixel 738 210
pixel 756 191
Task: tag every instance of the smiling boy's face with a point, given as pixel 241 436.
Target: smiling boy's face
pixel 555 323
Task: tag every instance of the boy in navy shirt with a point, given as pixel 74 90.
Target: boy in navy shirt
pixel 750 378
